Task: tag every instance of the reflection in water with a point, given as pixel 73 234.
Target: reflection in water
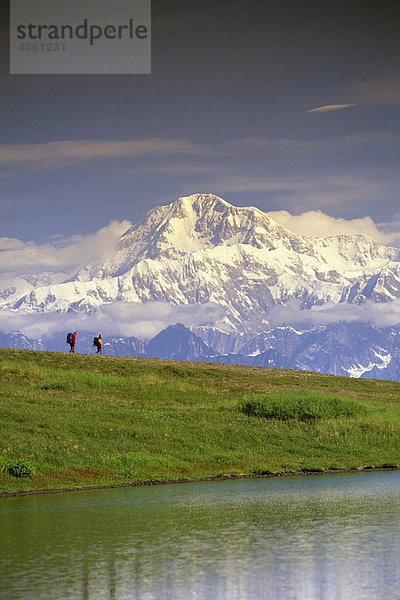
pixel 325 537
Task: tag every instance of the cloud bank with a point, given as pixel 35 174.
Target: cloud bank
pixel 20 258
pixel 141 320
pixel 145 320
pixel 379 314
pixel 316 223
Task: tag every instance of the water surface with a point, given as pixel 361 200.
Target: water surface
pixel 315 537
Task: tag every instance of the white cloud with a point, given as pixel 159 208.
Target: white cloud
pixel 18 257
pixel 142 320
pixel 146 320
pixel 316 223
pixel 329 107
pixel 380 314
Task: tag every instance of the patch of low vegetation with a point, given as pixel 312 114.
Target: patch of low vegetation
pixel 63 386
pixel 78 420
pixel 21 468
pixel 301 405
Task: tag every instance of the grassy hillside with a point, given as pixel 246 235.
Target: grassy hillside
pixel 77 420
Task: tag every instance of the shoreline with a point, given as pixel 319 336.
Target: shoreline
pixel 191 480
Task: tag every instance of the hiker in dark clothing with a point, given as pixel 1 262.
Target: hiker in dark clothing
pixel 98 343
pixel 71 340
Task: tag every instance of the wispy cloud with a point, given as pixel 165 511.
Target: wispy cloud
pixel 301 145
pixel 63 153
pixel 69 152
pixel 301 192
pixel 329 107
pixel 376 92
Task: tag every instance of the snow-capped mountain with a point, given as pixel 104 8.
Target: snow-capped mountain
pixel 200 249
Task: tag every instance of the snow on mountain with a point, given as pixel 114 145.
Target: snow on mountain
pixel 357 370
pixel 18 340
pixel 204 222
pixel 200 249
pixel 352 349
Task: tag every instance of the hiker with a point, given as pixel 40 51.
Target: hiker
pixel 71 340
pixel 98 343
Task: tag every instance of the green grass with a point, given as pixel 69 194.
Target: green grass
pixel 303 405
pixel 80 420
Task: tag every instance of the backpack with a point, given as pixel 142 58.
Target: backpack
pixel 69 338
pixel 95 341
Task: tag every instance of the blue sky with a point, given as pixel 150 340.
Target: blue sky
pixel 225 110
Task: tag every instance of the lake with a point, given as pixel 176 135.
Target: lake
pixel 333 537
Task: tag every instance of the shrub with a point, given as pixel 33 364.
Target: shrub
pixel 21 468
pixel 300 406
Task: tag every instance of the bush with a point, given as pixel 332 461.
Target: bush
pixel 300 406
pixel 21 468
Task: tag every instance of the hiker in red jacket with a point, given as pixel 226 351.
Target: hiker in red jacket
pixel 71 340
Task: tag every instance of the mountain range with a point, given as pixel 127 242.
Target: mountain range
pixel 268 296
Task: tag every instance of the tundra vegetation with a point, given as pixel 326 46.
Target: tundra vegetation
pixel 77 420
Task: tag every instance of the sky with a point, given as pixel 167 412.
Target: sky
pixel 291 106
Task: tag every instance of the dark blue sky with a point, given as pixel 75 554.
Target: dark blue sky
pixel 224 111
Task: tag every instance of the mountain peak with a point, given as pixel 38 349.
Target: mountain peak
pixel 193 223
pixel 196 223
pixel 205 201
